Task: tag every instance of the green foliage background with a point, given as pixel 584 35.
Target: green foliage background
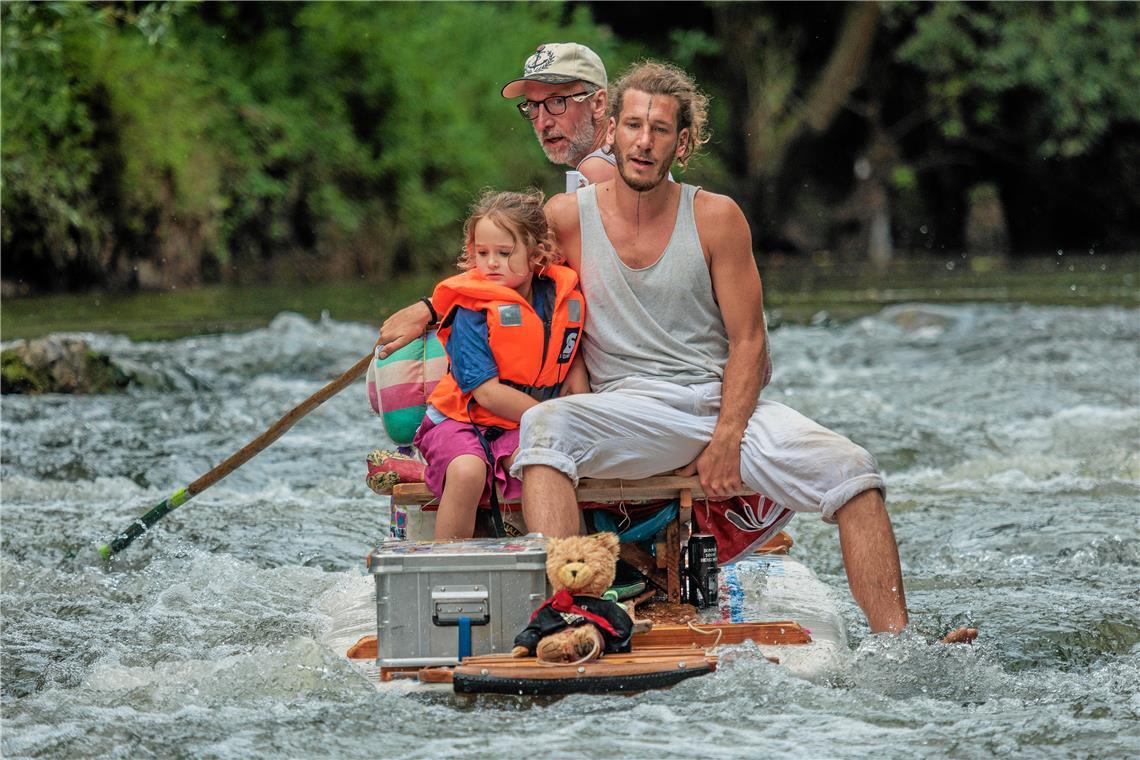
pixel 244 139
pixel 164 144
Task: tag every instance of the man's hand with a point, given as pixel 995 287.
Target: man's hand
pixel 718 468
pixel 402 328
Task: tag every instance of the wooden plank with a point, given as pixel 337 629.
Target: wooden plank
pixel 596 668
pixel 364 649
pixel 661 554
pixel 388 674
pixel 589 489
pixel 435 675
pixel 672 636
pixel 644 562
pixel 609 661
pixel 656 487
pixel 407 494
pixel 649 655
pixel 673 564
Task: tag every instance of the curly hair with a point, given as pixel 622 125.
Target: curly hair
pixel 657 78
pixel 520 214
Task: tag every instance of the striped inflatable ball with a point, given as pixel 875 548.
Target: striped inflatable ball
pixel 398 387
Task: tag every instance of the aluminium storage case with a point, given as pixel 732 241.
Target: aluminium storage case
pixel 423 588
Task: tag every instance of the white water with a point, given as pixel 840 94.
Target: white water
pixel 1010 437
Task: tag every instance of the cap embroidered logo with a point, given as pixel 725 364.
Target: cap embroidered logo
pixel 541 59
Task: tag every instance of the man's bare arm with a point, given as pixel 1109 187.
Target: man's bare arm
pixel 597 170
pixel 402 328
pixel 562 216
pixel 727 241
pixel 577 378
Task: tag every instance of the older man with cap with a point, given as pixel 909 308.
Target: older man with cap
pixel 563 87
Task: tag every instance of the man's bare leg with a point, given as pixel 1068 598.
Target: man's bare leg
pixel 548 502
pixel 871 558
pixel 873 572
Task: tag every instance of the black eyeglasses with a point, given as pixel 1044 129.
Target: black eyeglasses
pixel 555 104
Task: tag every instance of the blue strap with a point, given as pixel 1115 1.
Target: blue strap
pixel 604 520
pixel 464 637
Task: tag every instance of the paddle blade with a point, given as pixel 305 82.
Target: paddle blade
pixel 140 526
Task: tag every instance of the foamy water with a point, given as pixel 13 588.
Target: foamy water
pixel 1009 436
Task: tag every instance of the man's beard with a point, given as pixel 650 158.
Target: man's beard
pixel 573 150
pixel 640 185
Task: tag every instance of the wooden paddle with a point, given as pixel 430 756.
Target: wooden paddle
pixel 236 460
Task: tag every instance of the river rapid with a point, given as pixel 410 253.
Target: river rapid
pixel 1009 436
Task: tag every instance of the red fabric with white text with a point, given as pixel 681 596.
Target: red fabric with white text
pixel 741 525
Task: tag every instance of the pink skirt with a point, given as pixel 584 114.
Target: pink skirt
pixel 442 443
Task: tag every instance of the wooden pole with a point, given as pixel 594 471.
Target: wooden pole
pixel 234 461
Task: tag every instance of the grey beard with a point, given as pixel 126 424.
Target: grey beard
pixel 574 150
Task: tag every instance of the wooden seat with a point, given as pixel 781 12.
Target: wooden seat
pixel 612 491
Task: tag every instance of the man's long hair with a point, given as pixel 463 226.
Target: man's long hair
pixel 657 78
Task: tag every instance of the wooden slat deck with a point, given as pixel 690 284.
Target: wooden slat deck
pixel 661 639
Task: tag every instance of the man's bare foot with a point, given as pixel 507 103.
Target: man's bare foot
pixel 961 635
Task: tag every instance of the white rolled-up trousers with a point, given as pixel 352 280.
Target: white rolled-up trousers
pixel 641 427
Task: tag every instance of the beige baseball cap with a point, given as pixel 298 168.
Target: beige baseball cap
pixel 558 63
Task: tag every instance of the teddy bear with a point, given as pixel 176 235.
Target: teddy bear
pixel 576 624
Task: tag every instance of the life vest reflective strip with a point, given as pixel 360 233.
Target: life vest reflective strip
pixel 530 355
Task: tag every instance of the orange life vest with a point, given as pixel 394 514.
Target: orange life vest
pixel 530 356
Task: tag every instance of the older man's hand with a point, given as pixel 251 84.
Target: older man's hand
pixel 402 328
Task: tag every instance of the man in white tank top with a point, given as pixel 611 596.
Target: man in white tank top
pixel 675 345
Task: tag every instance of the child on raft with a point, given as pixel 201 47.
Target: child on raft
pixel 510 324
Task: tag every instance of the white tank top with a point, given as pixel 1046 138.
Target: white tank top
pixel 660 321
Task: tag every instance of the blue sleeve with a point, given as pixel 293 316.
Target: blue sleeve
pixel 542 295
pixel 469 350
